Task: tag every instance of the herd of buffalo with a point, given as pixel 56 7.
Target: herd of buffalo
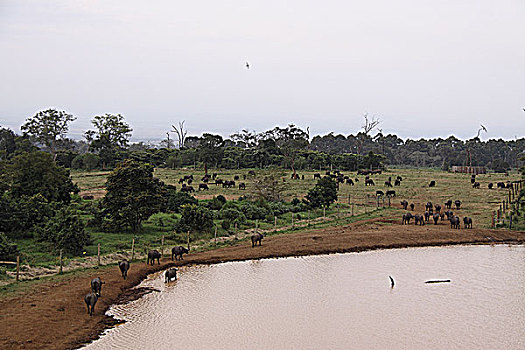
pixel 432 212
pixel 170 274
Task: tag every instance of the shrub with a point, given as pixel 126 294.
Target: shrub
pixel 253 211
pixel 232 215
pixel 8 250
pixel 175 200
pixel 323 193
pixel 195 218
pixel 64 231
pixel 225 224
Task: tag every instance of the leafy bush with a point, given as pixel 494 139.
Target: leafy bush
pixel 175 200
pixel 8 250
pixel 216 203
pixel 225 224
pixel 195 218
pixel 232 215
pixel 278 208
pixel 64 231
pixel 253 212
pixel 323 193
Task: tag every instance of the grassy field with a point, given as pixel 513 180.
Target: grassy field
pixel 476 203
pixel 355 202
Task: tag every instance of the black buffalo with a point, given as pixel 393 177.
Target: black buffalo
pixel 90 300
pixel 467 221
pixel 257 238
pixel 124 267
pixel 432 184
pixel 152 255
pixel 178 251
pixel 170 274
pixel 454 222
pixel 457 203
pixel 96 285
pixel 404 204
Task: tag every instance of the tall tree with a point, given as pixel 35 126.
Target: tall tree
pixel 290 141
pixel 211 149
pixel 132 196
pixel 48 127
pixel 368 125
pixel 110 136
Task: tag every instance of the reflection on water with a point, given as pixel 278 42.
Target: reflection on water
pixel 339 301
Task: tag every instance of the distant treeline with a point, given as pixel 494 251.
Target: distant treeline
pixel 289 147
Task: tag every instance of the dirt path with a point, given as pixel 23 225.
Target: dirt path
pixel 53 315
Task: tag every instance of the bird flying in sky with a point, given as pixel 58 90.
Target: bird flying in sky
pixel 247 65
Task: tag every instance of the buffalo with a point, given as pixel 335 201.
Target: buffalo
pixel 169 274
pixel 124 267
pixel 317 176
pixel 380 193
pixel 91 300
pixel 427 216
pixel 152 255
pixel 242 186
pixel 412 206
pixel 350 182
pixel 467 221
pixel 435 217
pixel 406 218
pixel 457 203
pixel 432 184
pixel 476 185
pixel 203 187
pixel 418 220
pixel 236 177
pixel 449 214
pixel 397 183
pixel 448 204
pixel 438 208
pixel 404 204
pixel 251 172
pixel 257 238
pixel 454 222
pixel 390 193
pixel 187 189
pixel 500 185
pixel 369 182
pixel 178 251
pixel 388 184
pixel 96 285
pixel 491 185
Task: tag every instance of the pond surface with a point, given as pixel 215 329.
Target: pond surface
pixel 341 301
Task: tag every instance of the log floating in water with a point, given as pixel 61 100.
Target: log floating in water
pixel 438 281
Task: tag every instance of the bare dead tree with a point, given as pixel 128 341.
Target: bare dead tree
pixel 367 127
pixel 167 140
pixel 181 133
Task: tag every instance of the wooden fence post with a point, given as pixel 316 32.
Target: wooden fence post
pixel 61 264
pixel 352 209
pixel 275 223
pixel 188 240
pixel 98 254
pixel 215 234
pixel 324 212
pixel 493 219
pixel 162 246
pixel 308 217
pixel 133 249
pixel 17 268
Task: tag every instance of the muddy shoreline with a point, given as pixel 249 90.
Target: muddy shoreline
pixel 26 318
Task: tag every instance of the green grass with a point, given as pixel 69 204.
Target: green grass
pixel 477 203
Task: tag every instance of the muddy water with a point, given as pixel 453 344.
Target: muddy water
pixel 336 302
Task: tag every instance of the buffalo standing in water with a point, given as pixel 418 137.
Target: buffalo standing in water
pixel 96 285
pixel 152 255
pixel 91 300
pixel 124 267
pixel 169 274
pixel 257 238
pixel 178 251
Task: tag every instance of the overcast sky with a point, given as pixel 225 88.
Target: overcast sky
pixel 425 68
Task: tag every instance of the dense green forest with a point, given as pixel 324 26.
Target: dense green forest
pixel 287 147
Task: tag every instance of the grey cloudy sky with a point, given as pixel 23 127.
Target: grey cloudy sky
pixel 426 68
